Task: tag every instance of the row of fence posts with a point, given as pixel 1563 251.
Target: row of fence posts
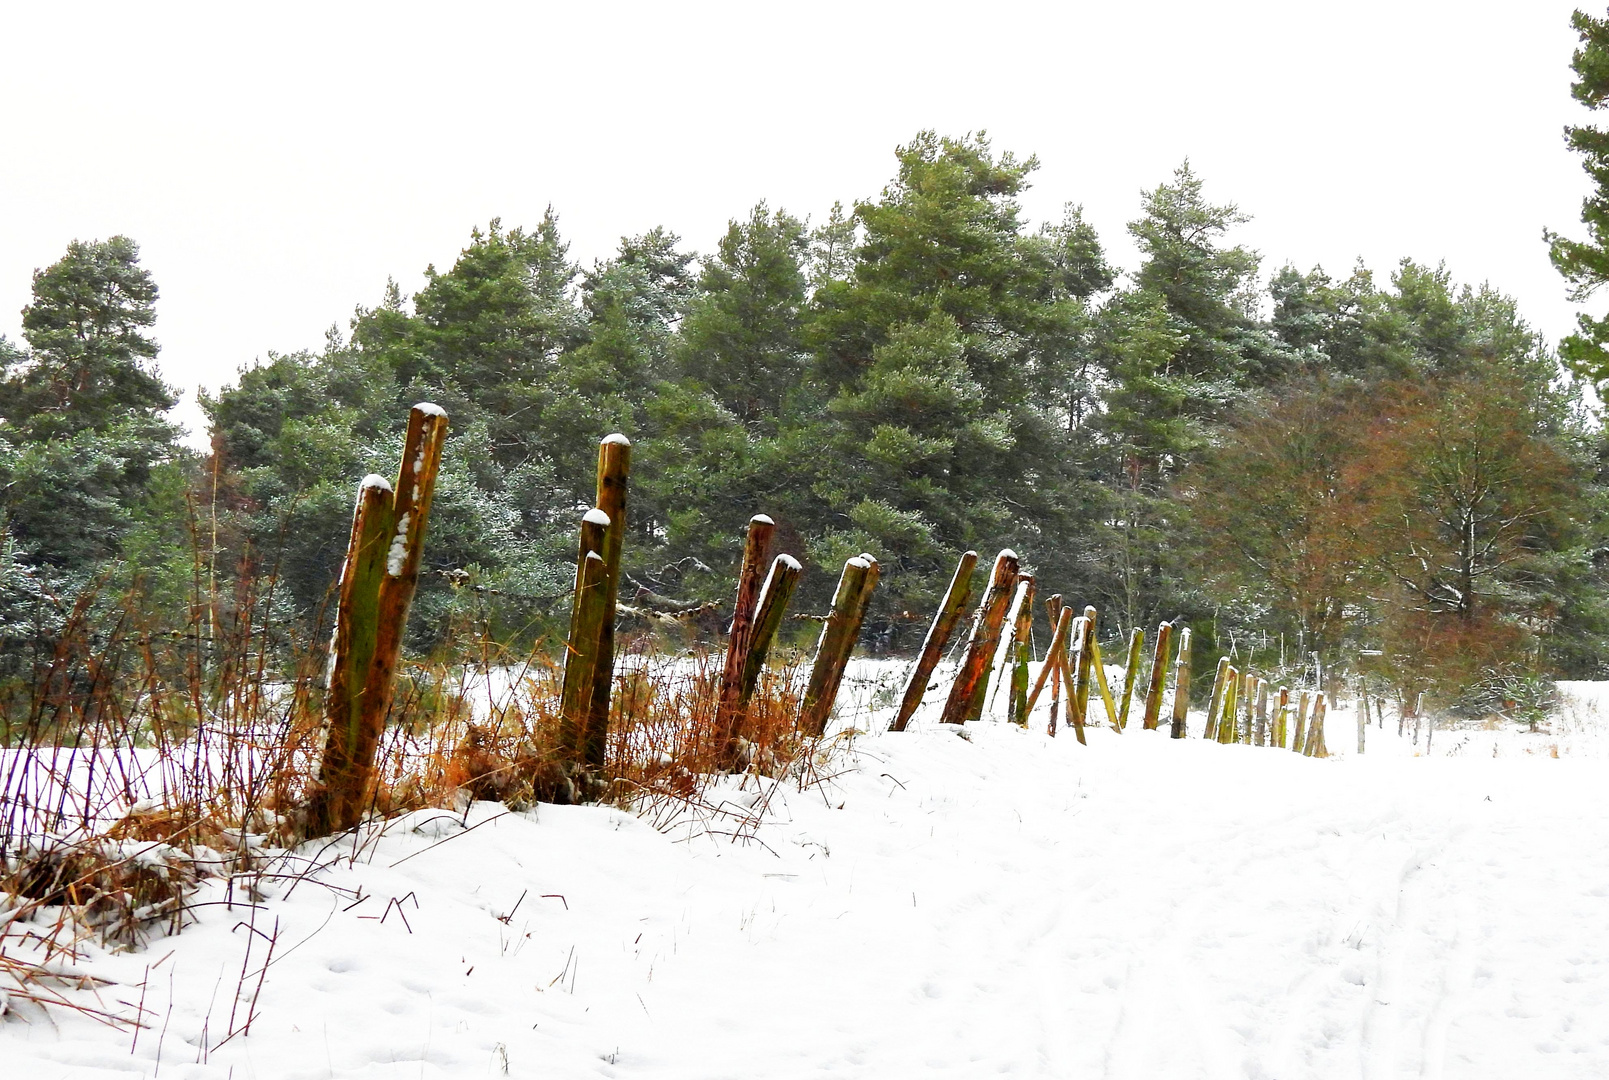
pixel 381 572
pixel 1244 709
pixel 1073 663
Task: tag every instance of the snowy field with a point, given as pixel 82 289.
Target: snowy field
pixel 993 902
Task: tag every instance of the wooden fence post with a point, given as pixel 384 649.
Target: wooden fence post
pixel 1248 693
pixel 1282 718
pixel 1299 742
pixel 581 652
pixel 1022 598
pixel 985 637
pixel 337 803
pixel 949 614
pixel 769 610
pixel 1229 717
pixel 1052 664
pixel 1085 672
pixel 384 556
pixel 1073 669
pixel 1261 738
pixel 837 641
pixel 1099 666
pixel 728 717
pixel 1159 676
pixel 1215 703
pixel 1363 717
pixel 614 469
pixel 1181 685
pixel 1053 608
pixel 1315 729
pixel 1022 630
pixel 1130 670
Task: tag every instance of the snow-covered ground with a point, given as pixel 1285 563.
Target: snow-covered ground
pixel 949 904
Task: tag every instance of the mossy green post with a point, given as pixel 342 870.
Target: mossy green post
pixel 1181 685
pixel 614 470
pixel 1215 702
pixel 971 679
pixel 587 610
pixel 751 578
pixel 1131 671
pixel 833 647
pixel 939 633
pixel 1159 676
pixel 772 605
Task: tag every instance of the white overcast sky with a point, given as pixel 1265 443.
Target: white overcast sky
pixel 277 163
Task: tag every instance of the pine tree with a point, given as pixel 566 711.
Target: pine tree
pixel 83 409
pixel 1585 263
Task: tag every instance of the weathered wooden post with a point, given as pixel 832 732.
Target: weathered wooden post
pixel 1215 703
pixel 378 582
pixel 1282 718
pixel 1261 738
pixel 337 803
pixel 1315 730
pixel 1073 669
pixel 1363 717
pixel 728 715
pixel 1053 608
pixel 1130 673
pixel 1299 742
pixel 769 610
pixel 1181 685
pixel 587 611
pixel 1229 717
pixel 833 647
pixel 1052 665
pixel 981 645
pixel 1159 676
pixel 1021 599
pixel 1248 694
pixel 949 614
pixel 614 469
pixel 1099 666
pixel 1084 674
pixel 1022 630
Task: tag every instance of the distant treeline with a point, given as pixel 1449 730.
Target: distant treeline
pixel 1353 464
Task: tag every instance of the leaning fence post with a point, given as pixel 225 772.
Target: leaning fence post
pixel 1053 608
pixel 949 614
pixel 1299 742
pixel 581 651
pixel 1052 664
pixel 614 469
pixel 772 604
pixel 983 640
pixel 833 647
pixel 1130 672
pixel 1214 703
pixel 402 513
pixel 338 802
pixel 1099 665
pixel 1159 676
pixel 1086 667
pixel 728 711
pixel 1073 670
pixel 1315 730
pixel 1181 685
